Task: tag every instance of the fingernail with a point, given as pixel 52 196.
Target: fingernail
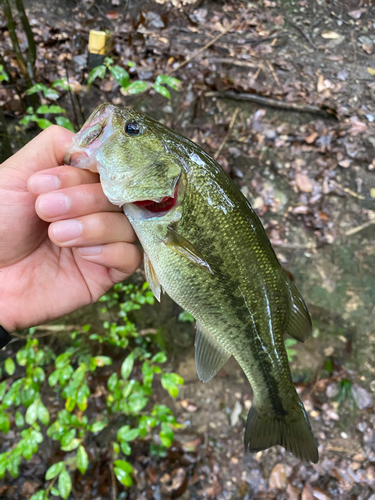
pixel 53 204
pixel 44 183
pixel 66 230
pixel 90 251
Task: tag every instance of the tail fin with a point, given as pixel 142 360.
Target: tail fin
pixel 294 434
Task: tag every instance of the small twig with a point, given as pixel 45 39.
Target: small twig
pixel 259 69
pixel 51 330
pixel 357 229
pixel 302 32
pixel 267 101
pixel 231 26
pixel 217 154
pixel 348 190
pixel 113 479
pixel 273 73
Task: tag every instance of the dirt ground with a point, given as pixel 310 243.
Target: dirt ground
pixel 285 99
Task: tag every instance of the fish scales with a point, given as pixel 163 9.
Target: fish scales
pixel 210 253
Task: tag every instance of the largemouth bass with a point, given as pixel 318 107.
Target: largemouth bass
pixel 205 246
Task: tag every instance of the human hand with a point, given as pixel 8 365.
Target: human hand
pixel 62 244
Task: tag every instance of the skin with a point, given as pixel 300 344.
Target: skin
pixel 43 275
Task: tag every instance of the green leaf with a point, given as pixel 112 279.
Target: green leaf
pixel 43 123
pixel 20 422
pixel 112 381
pixel 38 374
pixel 185 316
pixel 169 382
pixel 65 484
pixel 54 470
pixel 125 433
pixel 137 87
pixel 64 122
pixel 127 366
pixel 3 388
pixel 124 465
pixel 172 82
pixel 32 412
pixel 39 496
pixel 123 476
pixel 159 357
pixel 38 87
pixel 61 84
pixel 162 90
pixel 98 426
pixel 43 414
pixel 4 422
pixel 51 94
pixel 74 443
pixel 42 110
pixel 10 366
pixel 53 378
pixel 120 75
pixel 125 447
pixel 108 61
pixel 82 459
pixel 166 435
pixel 97 72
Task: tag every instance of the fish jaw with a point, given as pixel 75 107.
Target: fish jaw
pixel 130 171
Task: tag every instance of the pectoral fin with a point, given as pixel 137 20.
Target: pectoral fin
pixel 151 277
pixel 299 322
pixel 210 356
pixel 183 247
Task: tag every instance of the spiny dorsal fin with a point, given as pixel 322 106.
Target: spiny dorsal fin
pixel 184 247
pixel 299 322
pixel 209 355
pixel 151 277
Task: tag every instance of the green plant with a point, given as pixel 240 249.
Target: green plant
pixel 290 352
pixel 125 412
pixel 122 77
pixel 3 74
pixel 51 94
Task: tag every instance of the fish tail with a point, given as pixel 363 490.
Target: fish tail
pixel 294 433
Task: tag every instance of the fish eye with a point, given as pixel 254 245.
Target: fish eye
pixel 132 127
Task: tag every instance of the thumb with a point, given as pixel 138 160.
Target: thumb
pixel 46 150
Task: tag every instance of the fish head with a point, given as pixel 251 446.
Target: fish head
pixel 129 153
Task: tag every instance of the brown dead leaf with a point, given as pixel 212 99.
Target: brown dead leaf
pixel 292 492
pixel 278 478
pixel 331 35
pixel 311 138
pixel 356 14
pixel 306 493
pixel 321 86
pixel 304 183
pixel 358 127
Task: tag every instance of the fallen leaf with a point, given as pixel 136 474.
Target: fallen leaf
pixel 371 71
pixel 292 492
pixel 356 14
pixel 278 478
pixel 330 34
pixel 304 183
pixel 311 138
pixel 321 85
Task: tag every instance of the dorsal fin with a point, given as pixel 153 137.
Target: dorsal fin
pixel 299 322
pixel 151 277
pixel 209 355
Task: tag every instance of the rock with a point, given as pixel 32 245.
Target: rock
pixel 362 398
pixel 278 479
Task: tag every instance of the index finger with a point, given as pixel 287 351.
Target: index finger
pixel 46 150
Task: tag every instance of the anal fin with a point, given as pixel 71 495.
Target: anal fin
pixel 151 277
pixel 210 356
pixel 299 322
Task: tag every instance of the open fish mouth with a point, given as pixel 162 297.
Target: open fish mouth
pixel 156 207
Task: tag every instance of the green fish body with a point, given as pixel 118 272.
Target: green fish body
pixel 205 246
